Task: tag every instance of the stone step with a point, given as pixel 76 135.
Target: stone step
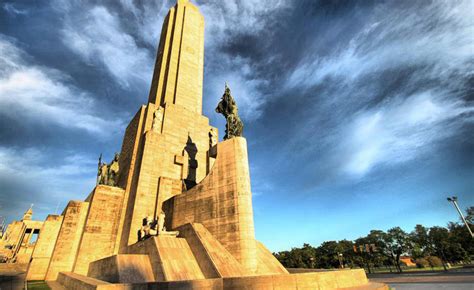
pixel 122 268
pixel 215 261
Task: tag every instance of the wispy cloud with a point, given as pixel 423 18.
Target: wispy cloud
pixel 438 35
pixel 44 95
pixel 398 88
pixel 14 10
pixel 97 36
pixel 401 130
pixel 66 178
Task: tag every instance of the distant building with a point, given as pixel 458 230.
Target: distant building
pixel 18 239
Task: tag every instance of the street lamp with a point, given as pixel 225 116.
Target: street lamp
pixel 454 200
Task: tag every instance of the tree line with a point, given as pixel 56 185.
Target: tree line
pixel 427 247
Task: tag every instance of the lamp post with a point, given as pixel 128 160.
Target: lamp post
pixel 454 200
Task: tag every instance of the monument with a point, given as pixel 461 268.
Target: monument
pixel 173 210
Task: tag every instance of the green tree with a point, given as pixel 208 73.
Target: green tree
pixel 459 235
pixel 327 255
pixel 470 215
pixel 421 245
pixel 439 239
pixel 304 257
pixel 397 243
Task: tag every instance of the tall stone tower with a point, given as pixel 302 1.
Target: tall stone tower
pixel 178 74
pixel 170 137
pixel 169 166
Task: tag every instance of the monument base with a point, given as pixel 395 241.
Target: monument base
pixel 196 260
pixel 339 279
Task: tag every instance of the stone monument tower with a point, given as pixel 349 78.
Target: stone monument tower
pixel 174 208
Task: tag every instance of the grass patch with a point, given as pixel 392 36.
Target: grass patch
pixel 38 285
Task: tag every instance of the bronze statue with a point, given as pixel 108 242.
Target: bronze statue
pixel 229 109
pixel 108 173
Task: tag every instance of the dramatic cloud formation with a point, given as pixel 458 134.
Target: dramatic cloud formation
pixel 351 108
pixel 42 94
pixel 396 88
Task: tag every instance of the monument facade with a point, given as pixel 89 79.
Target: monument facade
pixel 174 207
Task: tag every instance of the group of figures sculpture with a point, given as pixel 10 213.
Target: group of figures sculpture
pixel 108 173
pixel 229 109
pixel 154 227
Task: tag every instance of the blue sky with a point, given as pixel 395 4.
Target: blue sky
pixel 359 115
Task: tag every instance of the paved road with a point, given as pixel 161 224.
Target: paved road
pixel 432 286
pixel 453 280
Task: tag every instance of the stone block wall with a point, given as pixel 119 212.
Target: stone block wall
pixel 101 227
pixel 44 248
pixel 69 238
pixel 222 202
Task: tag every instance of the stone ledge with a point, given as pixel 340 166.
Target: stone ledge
pixel 313 280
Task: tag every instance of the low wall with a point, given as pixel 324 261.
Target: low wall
pixel 341 279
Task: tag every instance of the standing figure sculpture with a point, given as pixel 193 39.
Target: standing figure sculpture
pixel 212 138
pixel 229 109
pixel 108 173
pixel 103 174
pixel 157 120
pixel 113 171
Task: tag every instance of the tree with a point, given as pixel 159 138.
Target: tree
pixel 439 241
pixel 458 234
pixel 327 255
pixel 421 246
pixel 379 254
pixel 398 243
pixel 304 257
pixel 470 215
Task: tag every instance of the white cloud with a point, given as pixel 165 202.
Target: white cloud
pixel 23 169
pixel 96 35
pixel 13 10
pixel 400 130
pixel 41 94
pixel 225 19
pixel 368 125
pixel 439 35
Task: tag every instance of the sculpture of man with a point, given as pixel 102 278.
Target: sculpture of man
pixel 157 120
pixel 103 173
pixel 229 109
pixel 212 137
pixel 113 170
pixel 161 222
